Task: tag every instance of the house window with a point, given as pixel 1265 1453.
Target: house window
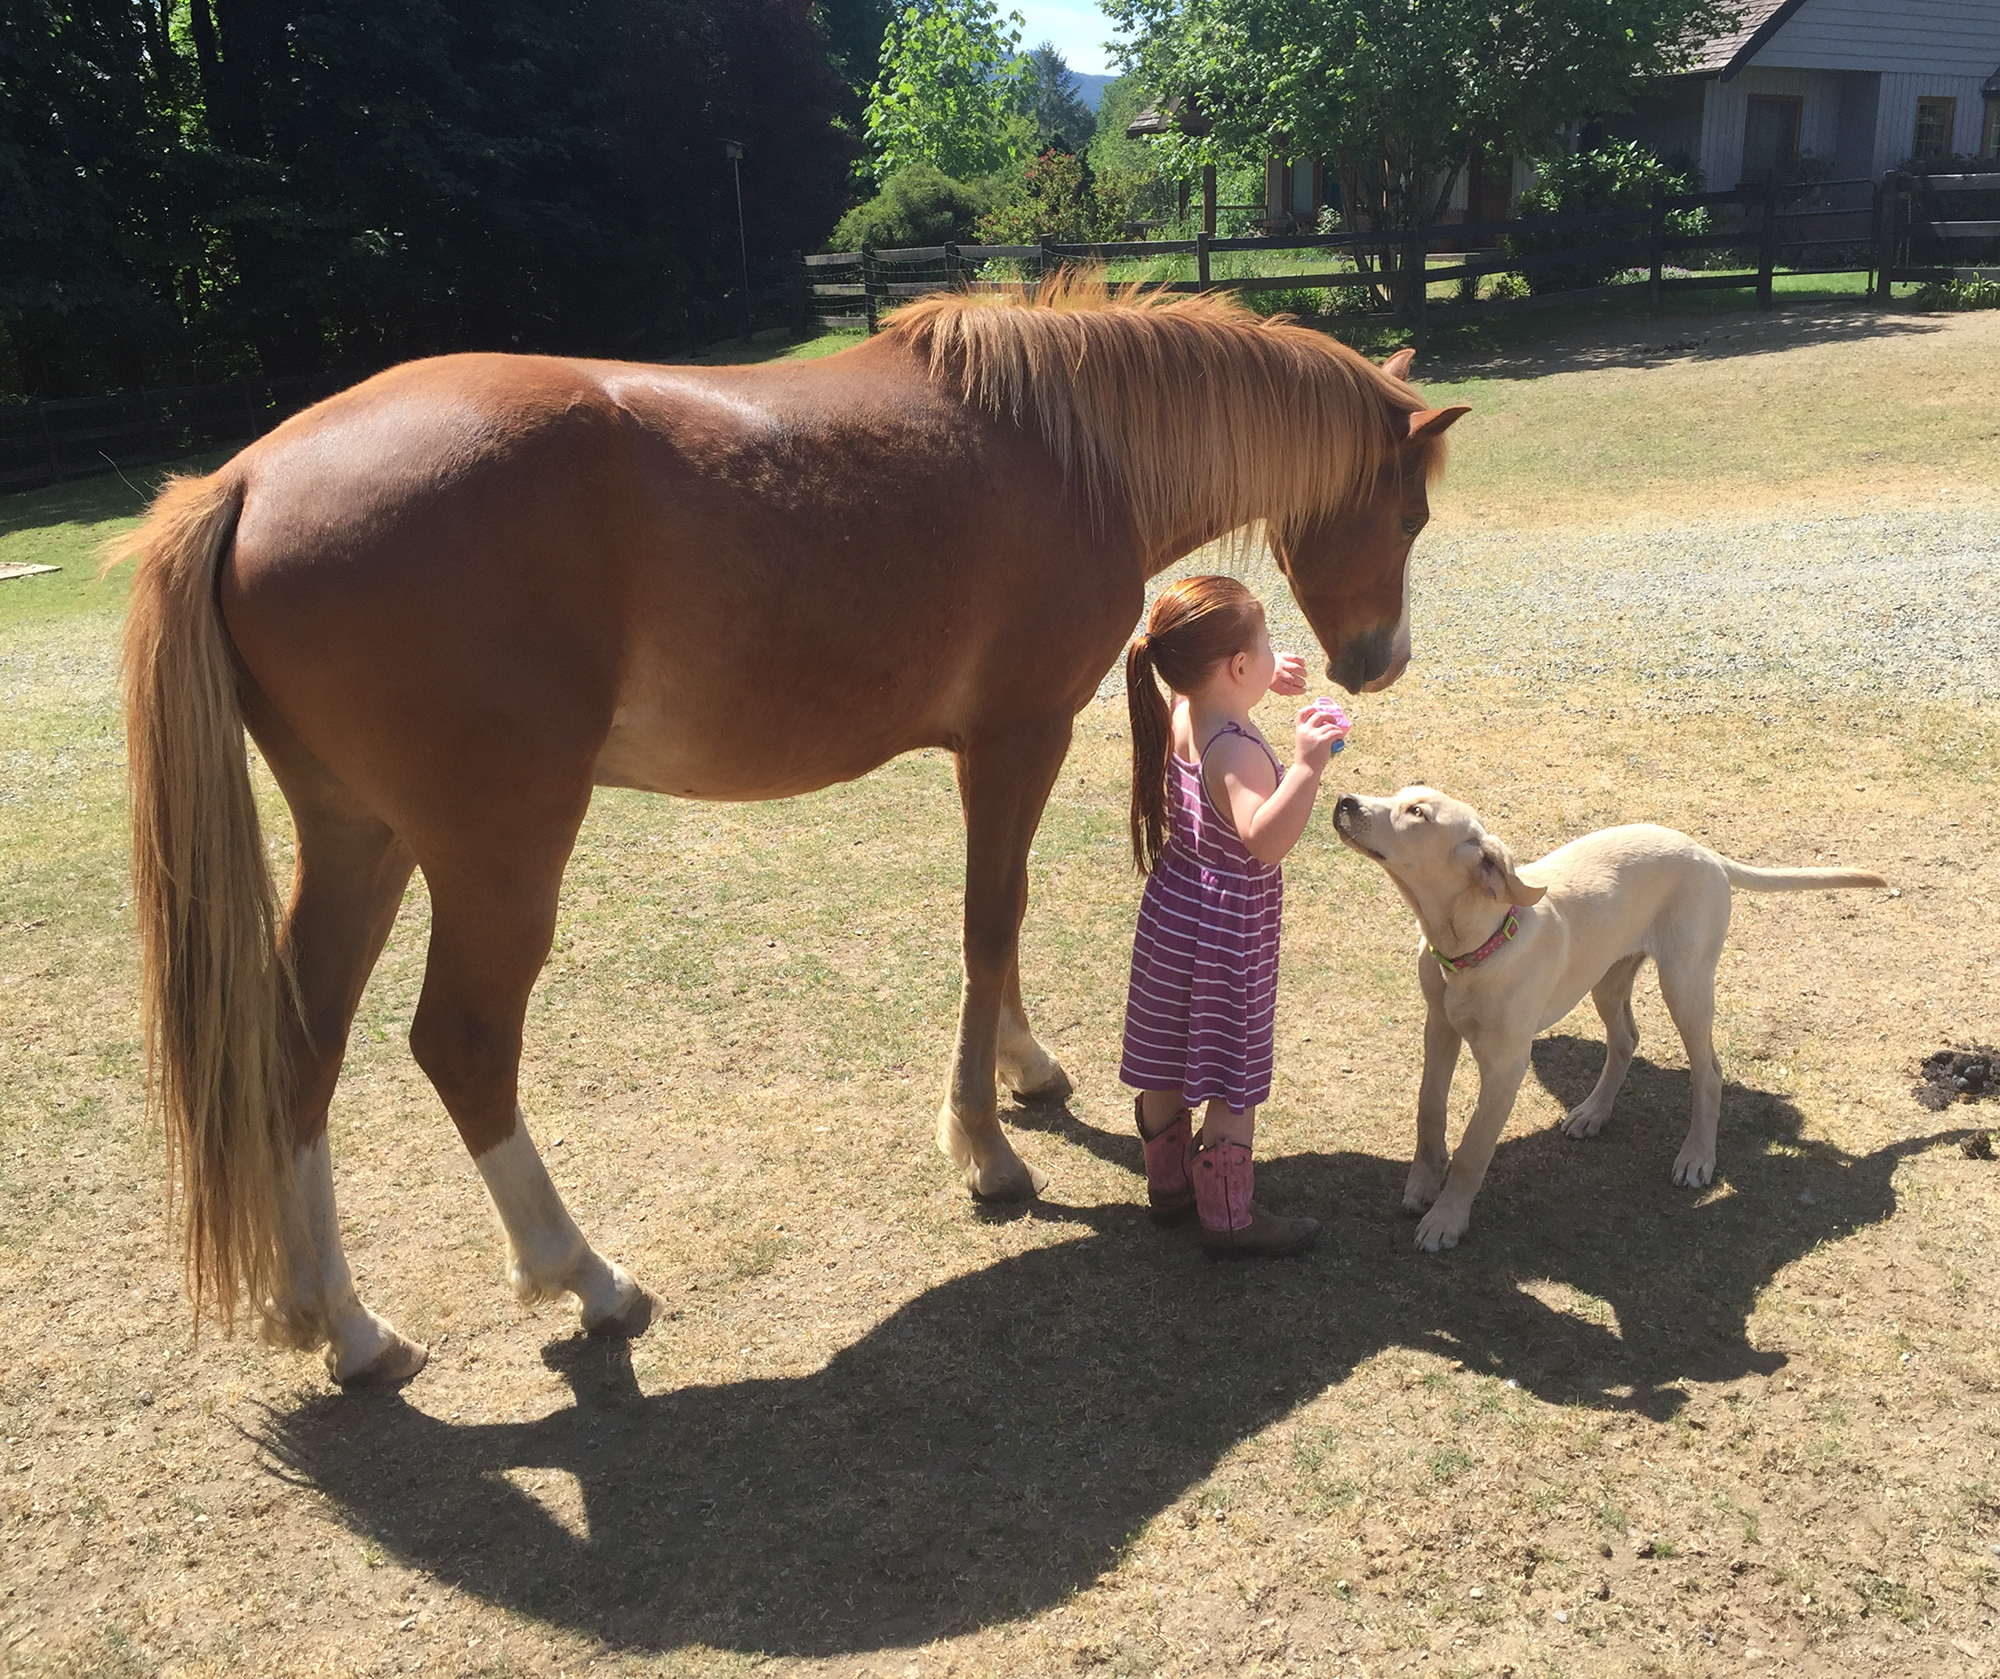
pixel 1305 189
pixel 1989 143
pixel 1770 136
pixel 1935 118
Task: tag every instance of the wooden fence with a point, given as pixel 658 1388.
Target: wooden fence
pixel 1904 229
pixel 1917 239
pixel 73 437
pixel 1827 227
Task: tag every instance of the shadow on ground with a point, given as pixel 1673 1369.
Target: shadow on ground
pixel 984 1452
pixel 1638 341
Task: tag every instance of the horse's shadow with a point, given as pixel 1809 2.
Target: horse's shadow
pixel 985 1451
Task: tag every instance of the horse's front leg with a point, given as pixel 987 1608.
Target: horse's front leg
pixel 1003 781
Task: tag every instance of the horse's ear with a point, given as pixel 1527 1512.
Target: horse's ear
pixel 1434 422
pixel 1398 365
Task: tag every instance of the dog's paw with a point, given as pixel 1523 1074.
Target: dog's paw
pixel 1441 1227
pixel 1585 1121
pixel 1426 1180
pixel 1695 1168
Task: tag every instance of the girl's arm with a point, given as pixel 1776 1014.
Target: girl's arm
pixel 1270 817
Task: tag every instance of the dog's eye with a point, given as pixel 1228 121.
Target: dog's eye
pixel 1418 811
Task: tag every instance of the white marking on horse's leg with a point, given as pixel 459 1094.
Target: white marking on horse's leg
pixel 546 1253
pixel 1025 1067
pixel 359 1345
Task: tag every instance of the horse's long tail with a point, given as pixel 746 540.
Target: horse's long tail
pixel 214 979
pixel 1793 880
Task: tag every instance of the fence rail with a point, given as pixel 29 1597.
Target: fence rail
pixel 1826 227
pixel 73 437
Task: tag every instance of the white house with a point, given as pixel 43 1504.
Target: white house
pixel 1863 84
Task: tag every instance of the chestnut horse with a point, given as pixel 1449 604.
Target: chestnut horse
pixel 451 601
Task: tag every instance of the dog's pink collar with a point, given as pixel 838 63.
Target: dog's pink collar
pixel 1455 964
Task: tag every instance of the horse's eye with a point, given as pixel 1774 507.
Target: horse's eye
pixel 1412 526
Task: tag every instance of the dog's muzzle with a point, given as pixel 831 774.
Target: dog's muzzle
pixel 1350 821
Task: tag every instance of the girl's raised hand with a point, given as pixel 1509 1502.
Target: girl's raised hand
pixel 1315 738
pixel 1290 676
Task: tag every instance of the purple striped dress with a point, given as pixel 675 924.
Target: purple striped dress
pixel 1204 990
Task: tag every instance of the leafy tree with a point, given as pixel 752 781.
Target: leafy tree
pixel 94 195
pixel 920 205
pixel 1139 172
pixel 1397 95
pixel 1052 101
pixel 193 188
pixel 1064 201
pixel 949 85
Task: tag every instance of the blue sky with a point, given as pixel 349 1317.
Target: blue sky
pixel 1077 27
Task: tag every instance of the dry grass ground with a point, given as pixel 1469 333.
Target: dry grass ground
pixel 1625 1429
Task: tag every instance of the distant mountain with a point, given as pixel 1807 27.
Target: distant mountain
pixel 1090 89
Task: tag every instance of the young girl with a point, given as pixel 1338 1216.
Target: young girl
pixel 1213 813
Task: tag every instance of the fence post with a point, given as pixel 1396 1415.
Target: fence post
pixel 952 272
pixel 1891 191
pixel 1415 262
pixel 1657 297
pixel 868 286
pixel 1050 261
pixel 802 295
pixel 49 442
pixel 1767 255
pixel 1201 259
pixel 1208 199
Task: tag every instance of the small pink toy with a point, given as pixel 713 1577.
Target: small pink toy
pixel 1330 710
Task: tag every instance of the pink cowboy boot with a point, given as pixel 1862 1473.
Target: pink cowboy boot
pixel 1168 1186
pixel 1233 1226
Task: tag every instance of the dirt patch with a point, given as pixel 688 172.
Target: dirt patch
pixel 1970 1073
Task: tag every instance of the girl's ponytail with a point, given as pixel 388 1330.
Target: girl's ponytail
pixel 1152 727
pixel 1195 624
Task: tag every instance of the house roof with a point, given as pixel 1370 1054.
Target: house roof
pixel 1991 89
pixel 1729 53
pixel 1166 117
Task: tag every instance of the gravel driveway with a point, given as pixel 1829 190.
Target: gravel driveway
pixel 1903 602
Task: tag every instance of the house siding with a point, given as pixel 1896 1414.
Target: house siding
pixel 1921 38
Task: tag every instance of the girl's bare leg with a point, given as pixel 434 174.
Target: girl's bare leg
pixel 1220 1125
pixel 1159 1109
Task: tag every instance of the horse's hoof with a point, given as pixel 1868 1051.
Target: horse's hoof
pixel 628 1323
pixel 394 1365
pixel 1015 1181
pixel 1055 1086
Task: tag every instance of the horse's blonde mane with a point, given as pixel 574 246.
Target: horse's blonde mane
pixel 1182 410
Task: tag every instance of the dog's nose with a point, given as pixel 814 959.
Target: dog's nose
pixel 1345 809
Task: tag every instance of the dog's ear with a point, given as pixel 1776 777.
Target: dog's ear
pixel 1497 878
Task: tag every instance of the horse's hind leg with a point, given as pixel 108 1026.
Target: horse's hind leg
pixel 347 883
pixel 492 921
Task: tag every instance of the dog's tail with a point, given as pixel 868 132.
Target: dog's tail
pixel 1794 880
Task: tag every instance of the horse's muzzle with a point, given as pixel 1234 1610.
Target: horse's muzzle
pixel 1368 663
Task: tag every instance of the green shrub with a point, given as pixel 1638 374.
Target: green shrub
pixel 1959 294
pixel 919 205
pixel 1614 176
